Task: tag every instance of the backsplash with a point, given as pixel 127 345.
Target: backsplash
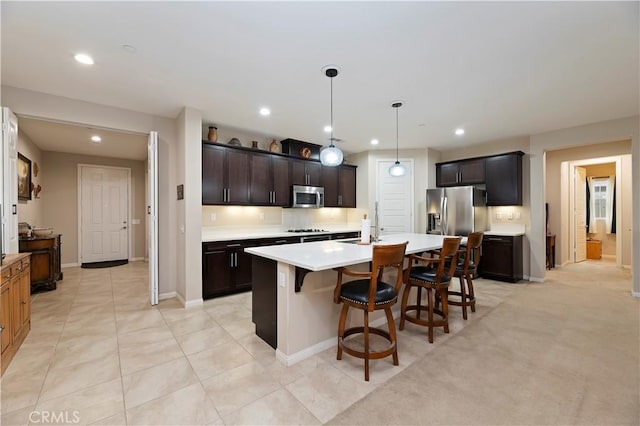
pixel 214 216
pixel 509 215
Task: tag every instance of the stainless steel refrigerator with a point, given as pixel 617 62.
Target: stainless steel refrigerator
pixel 457 210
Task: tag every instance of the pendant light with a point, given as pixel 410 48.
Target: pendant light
pixel 397 169
pixel 331 155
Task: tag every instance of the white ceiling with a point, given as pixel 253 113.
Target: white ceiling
pixel 61 137
pixel 498 69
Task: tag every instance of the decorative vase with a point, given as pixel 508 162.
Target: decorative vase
pixel 274 147
pixel 254 144
pixel 213 134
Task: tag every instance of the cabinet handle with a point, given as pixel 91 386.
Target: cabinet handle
pixel 274 197
pixel 339 200
pixel 233 245
pixel 280 241
pixel 231 260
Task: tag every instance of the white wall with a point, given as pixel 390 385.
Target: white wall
pixel 189 210
pixel 595 133
pixel 30 211
pixel 41 105
pixel 367 169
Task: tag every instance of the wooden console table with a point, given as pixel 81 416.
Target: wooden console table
pixel 45 261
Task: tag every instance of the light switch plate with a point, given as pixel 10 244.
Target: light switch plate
pixel 498 215
pixel 510 216
pixel 212 217
pixel 282 279
pixel 135 221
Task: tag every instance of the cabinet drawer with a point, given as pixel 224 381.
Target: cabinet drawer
pixel 223 245
pixel 497 239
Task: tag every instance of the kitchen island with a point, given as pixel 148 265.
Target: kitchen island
pixel 293 287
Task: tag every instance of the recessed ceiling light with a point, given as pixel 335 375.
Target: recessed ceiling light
pixel 96 138
pixel 265 111
pixel 327 129
pixel 84 59
pixel 459 132
pixel 375 141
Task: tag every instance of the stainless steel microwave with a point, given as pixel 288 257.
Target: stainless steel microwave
pixel 308 197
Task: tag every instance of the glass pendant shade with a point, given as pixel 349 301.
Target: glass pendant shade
pixel 331 156
pixel 397 169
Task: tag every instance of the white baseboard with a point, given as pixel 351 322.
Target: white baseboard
pixel 609 256
pixel 192 303
pixel 136 259
pixel 69 265
pixel 169 295
pixel 536 279
pixel 289 360
pixel 635 293
pixel 180 298
pixel 626 266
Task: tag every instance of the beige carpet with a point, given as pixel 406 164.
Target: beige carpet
pixel 561 352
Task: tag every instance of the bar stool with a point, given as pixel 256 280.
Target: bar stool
pixel 464 271
pixel 434 280
pixel 370 294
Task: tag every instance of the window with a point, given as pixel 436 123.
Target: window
pixel 600 189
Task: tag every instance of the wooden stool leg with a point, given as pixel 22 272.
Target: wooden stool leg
pixel 366 345
pixel 419 302
pixel 341 325
pixel 403 306
pixel 472 294
pixel 463 296
pixel 392 334
pixel 430 315
pixel 445 308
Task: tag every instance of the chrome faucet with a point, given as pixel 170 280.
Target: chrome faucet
pixel 376 225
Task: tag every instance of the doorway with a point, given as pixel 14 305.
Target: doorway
pixel 104 231
pixel 395 197
pixel 589 235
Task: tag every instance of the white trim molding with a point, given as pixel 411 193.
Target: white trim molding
pixel 635 293
pixel 193 303
pixel 168 295
pixel 69 265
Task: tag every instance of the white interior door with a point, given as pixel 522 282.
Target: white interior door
pixel 580 209
pixel 9 184
pixel 152 212
pixel 104 213
pixel 395 198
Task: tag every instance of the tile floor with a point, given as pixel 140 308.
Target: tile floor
pixel 98 353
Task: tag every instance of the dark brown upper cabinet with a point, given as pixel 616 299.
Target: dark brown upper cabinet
pixel 269 182
pixel 225 176
pixel 460 173
pixel 339 186
pixel 305 172
pixel 504 179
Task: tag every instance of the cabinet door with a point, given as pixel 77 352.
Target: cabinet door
pixel 281 185
pixel 5 318
pixel 212 174
pixel 261 179
pixel 471 172
pixel 497 259
pixel 16 319
pixel 330 183
pixel 25 293
pixel 216 273
pixel 314 173
pixel 237 177
pixel 347 196
pixel 298 172
pixel 504 180
pixel 242 270
pixel 447 174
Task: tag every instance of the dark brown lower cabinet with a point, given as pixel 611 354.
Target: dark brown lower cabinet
pixel 501 258
pixel 226 269
pixel 264 300
pixel 45 261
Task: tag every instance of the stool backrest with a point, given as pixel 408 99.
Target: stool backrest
pixel 474 242
pixel 448 257
pixel 386 256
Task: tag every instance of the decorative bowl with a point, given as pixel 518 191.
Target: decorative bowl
pixel 42 232
pixel 235 141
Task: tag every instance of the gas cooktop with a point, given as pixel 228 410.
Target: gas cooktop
pixel 306 230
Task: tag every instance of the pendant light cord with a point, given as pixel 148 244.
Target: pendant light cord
pixel 397 132
pixel 331 140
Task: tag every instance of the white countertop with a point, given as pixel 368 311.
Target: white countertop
pixel 322 255
pixel 228 234
pixel 506 230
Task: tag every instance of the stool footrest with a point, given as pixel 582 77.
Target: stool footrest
pixel 372 354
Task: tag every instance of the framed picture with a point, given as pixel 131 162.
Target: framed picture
pixel 24 178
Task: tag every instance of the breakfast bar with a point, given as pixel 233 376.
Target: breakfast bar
pixel 293 287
